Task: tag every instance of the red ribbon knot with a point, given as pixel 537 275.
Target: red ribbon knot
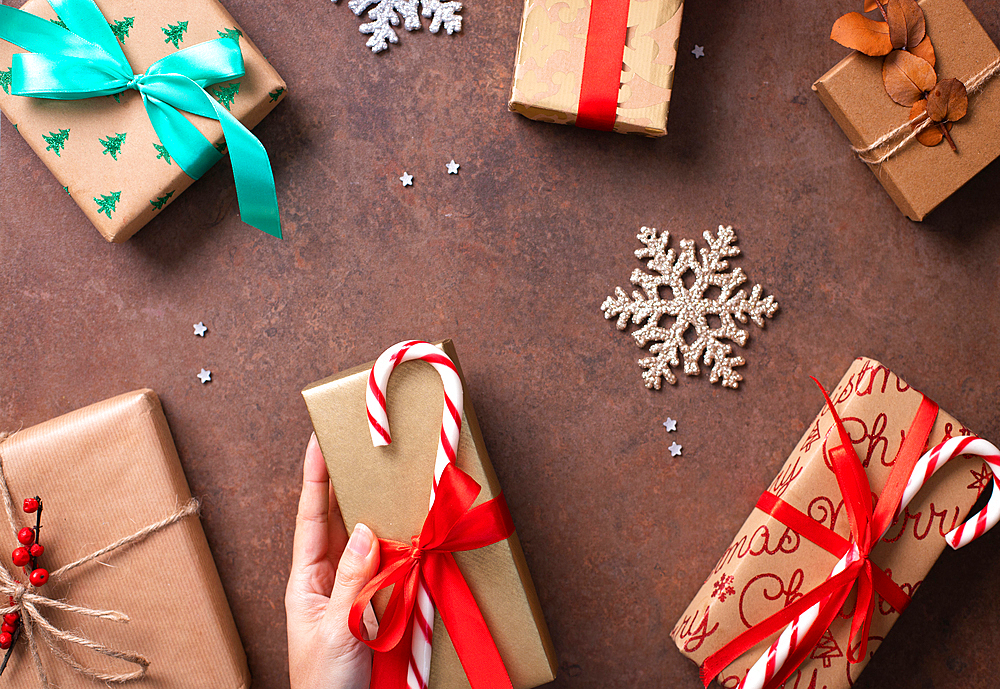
pixel 868 522
pixel 452 525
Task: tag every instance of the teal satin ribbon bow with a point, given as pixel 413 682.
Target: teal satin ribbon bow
pixel 86 61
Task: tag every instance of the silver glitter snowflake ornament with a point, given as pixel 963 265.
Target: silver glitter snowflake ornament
pixel 686 335
pixel 386 14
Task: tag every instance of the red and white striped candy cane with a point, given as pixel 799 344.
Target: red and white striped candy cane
pixel 972 528
pixel 451 426
pixel 771 662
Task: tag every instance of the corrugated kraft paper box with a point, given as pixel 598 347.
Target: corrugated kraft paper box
pixel 919 178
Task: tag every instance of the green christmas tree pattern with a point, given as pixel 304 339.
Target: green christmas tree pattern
pixel 162 201
pixel 106 204
pixel 66 189
pixel 59 22
pixel 226 94
pixel 5 80
pixel 232 33
pixel 56 141
pixel 120 27
pixel 175 33
pixel 161 152
pixel 276 94
pixel 113 145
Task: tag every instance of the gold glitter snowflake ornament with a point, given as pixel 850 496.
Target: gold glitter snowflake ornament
pixel 686 332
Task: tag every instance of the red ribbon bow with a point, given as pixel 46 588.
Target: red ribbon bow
pixel 452 525
pixel 868 524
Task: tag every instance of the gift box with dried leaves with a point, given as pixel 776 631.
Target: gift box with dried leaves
pixel 919 100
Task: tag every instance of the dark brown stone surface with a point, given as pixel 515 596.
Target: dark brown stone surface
pixel 512 259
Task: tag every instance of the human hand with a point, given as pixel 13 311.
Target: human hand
pixel 322 652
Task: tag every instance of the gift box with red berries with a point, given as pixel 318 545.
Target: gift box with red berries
pixel 115 581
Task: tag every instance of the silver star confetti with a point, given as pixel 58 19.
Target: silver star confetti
pixel 670 424
pixel 453 167
pixel 675 450
pixel 205 376
pixel 200 329
pixel 406 179
pixel 699 51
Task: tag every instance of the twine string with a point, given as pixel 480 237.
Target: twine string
pixel 972 85
pixel 37 628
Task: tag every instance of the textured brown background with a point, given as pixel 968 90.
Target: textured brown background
pixel 512 259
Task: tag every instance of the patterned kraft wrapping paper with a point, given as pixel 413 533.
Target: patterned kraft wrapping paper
pixel 104 472
pixel 550 56
pixel 918 178
pixel 388 488
pixel 768 565
pixel 139 175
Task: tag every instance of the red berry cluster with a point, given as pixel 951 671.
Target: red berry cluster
pixel 26 556
pixel 11 627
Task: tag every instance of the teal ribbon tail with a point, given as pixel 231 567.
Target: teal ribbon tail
pixel 87 61
pixel 252 173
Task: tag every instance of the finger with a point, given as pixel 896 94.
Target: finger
pixel 337 532
pixel 358 565
pixel 311 541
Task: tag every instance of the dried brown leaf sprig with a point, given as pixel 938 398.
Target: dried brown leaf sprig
pixel 908 68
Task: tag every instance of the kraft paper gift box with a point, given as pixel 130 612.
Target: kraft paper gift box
pixel 103 473
pixel 388 489
pixel 103 150
pixel 769 564
pixel 919 178
pixel 556 42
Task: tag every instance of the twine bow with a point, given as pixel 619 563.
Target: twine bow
pixel 85 60
pixel 869 153
pixel 28 602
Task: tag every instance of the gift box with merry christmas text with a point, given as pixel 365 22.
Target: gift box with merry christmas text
pixel 771 562
pixel 387 488
pixel 105 473
pixel 103 150
pixel 600 64
pixel 919 178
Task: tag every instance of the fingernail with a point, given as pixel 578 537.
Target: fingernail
pixel 312 441
pixel 361 540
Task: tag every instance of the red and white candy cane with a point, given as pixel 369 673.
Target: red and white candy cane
pixel 451 426
pixel 972 528
pixel 771 662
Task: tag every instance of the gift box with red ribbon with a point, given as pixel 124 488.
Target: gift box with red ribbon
pixel 836 546
pixel 460 586
pixel 599 64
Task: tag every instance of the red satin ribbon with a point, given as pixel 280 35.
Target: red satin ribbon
pixel 602 64
pixel 452 525
pixel 868 523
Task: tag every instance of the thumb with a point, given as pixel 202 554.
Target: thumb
pixel 358 565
